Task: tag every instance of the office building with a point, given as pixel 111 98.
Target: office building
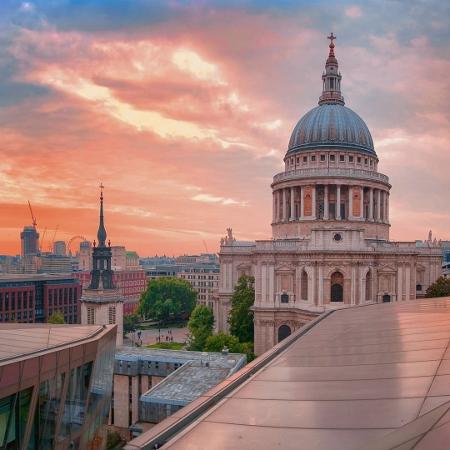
pixel 55 386
pixel 34 298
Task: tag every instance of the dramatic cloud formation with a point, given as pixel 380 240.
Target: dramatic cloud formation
pixel 184 110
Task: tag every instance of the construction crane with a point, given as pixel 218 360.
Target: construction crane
pixel 42 240
pixel 32 215
pixel 53 240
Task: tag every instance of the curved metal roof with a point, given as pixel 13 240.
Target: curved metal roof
pixel 331 125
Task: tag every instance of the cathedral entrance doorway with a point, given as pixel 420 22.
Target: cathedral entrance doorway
pixel 283 332
pixel 386 298
pixel 337 287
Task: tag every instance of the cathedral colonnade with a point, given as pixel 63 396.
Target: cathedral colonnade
pixel 330 201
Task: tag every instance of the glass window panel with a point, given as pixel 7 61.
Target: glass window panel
pixel 49 403
pixel 74 410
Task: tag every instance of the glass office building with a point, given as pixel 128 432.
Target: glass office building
pixel 55 385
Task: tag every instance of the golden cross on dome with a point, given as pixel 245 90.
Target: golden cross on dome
pixel 331 37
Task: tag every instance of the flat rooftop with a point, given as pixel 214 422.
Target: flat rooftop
pixel 16 277
pixel 154 354
pixel 23 340
pixel 375 376
pixel 198 372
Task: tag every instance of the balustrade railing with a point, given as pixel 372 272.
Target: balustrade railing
pixel 330 172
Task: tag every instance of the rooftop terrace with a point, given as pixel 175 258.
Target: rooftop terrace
pixel 376 376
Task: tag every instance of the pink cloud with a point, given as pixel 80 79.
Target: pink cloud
pixel 187 123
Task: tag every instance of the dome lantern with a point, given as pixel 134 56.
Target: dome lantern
pixel 331 93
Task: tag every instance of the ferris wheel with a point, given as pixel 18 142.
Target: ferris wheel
pixel 72 240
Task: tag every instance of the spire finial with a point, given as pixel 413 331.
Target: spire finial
pixel 101 234
pixel 331 37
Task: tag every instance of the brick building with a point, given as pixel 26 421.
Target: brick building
pixel 130 282
pixel 33 298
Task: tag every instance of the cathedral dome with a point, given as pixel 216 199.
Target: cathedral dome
pixel 331 125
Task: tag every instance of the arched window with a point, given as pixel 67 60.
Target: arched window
pixel 337 287
pixel 304 285
pixel 283 332
pixel 284 298
pixel 368 287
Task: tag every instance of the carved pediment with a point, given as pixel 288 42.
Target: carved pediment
pixel 385 269
pixel 284 268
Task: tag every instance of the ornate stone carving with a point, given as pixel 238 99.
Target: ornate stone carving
pixel 229 238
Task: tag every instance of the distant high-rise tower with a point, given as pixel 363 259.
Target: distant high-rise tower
pixel 85 256
pixel 102 302
pixel 30 241
pixel 59 248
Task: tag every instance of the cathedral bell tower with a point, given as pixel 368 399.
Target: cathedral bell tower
pixel 102 302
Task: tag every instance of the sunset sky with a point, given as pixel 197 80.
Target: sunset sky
pixel 184 111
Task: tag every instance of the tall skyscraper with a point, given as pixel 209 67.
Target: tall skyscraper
pixel 29 241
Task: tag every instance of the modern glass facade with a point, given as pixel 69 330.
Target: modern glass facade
pixel 65 400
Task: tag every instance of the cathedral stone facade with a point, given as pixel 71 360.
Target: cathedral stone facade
pixel 330 244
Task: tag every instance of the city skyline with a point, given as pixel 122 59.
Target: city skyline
pixel 185 112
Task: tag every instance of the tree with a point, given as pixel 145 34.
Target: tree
pixel 57 318
pixel 217 342
pixel 440 288
pixel 167 298
pixel 241 316
pixel 200 325
pixel 130 323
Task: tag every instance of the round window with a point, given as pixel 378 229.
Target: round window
pixel 337 237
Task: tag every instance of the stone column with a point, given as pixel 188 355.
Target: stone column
pixel 284 205
pixel 302 203
pixel 378 205
pixel 338 202
pixel 408 282
pixel 387 207
pixel 371 204
pixel 274 212
pixel 280 205
pixel 292 204
pixel 350 202
pixel 353 286
pixel 314 209
pixel 325 200
pixel 320 285
pixel 312 285
pixel 362 203
pixel 400 282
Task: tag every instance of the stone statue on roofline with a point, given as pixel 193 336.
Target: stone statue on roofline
pixel 229 238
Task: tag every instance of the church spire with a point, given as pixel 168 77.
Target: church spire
pixel 331 92
pixel 101 233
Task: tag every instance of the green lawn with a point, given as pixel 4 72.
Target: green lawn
pixel 145 326
pixel 167 345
